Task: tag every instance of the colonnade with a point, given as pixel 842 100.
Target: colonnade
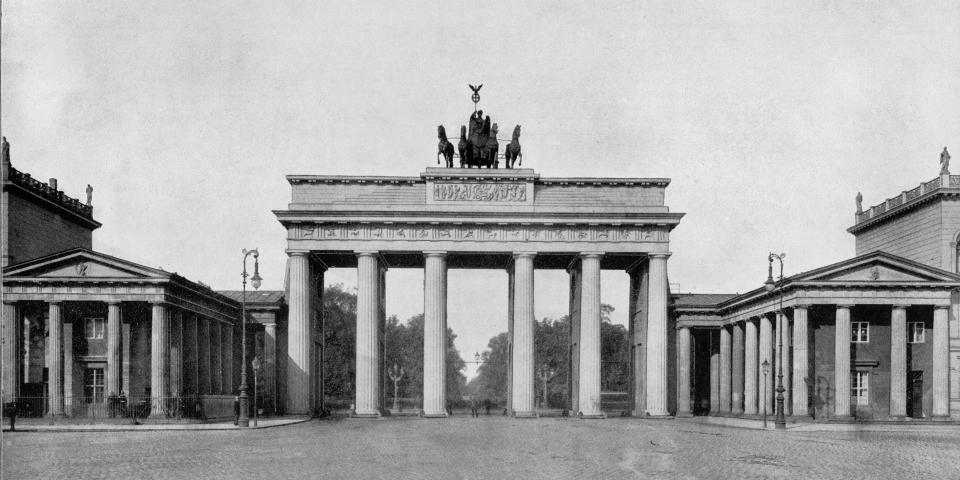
pixel 189 354
pixel 585 314
pixel 744 364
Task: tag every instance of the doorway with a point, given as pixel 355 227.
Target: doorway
pixel 915 394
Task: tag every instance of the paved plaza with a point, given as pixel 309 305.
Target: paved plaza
pixel 489 447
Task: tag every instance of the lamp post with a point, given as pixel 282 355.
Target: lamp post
pixel 546 373
pixel 766 370
pixel 244 420
pixel 770 285
pixel 395 373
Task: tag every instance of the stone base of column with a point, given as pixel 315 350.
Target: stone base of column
pixel 684 415
pixel 592 416
pixel 842 418
pixel 434 415
pixel 531 414
pixel 367 415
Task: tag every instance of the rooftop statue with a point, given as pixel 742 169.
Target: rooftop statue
pixel 444 148
pixel 512 151
pixel 945 162
pixel 89 195
pixel 481 149
pixel 6 151
pixel 859 203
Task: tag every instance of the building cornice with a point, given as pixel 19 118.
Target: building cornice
pixel 944 186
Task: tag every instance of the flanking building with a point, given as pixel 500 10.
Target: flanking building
pixel 872 337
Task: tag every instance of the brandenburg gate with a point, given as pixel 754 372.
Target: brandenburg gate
pixel 509 219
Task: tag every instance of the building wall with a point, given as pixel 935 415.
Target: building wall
pixel 919 235
pixel 35 231
pixel 950 233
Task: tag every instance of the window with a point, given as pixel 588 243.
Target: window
pixel 915 332
pixel 861 332
pixel 93 385
pixel 860 388
pixel 94 327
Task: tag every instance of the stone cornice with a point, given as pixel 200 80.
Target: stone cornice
pixel 43 194
pixel 480 175
pixel 941 187
pixel 504 217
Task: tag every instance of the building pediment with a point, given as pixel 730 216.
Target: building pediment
pixel 81 264
pixel 879 267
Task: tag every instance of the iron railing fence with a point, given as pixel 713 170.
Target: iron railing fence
pixel 125 407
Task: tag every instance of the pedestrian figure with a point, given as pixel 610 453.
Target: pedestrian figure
pixel 236 410
pixel 474 410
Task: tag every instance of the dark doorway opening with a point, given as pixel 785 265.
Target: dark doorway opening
pixel 915 394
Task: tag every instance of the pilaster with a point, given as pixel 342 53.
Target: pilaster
pixel 783 360
pixel 725 370
pixel 11 355
pixel 176 352
pixel 683 372
pixel 765 354
pixel 638 308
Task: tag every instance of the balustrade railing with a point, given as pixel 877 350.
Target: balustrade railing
pixel 46 191
pixel 950 181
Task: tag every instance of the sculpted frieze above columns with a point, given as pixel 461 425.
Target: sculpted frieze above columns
pixel 478 232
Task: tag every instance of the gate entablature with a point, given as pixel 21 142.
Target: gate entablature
pixel 481 211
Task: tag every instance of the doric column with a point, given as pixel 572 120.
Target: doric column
pixel 657 336
pixel 941 359
pixel 113 348
pixel 841 363
pixel 368 333
pixel 159 356
pixel 298 335
pixel 55 359
pixel 11 355
pixel 68 391
pixel 639 282
pixel 683 372
pixel 226 359
pixel 205 379
pixel 523 401
pixel 714 372
pixel 510 297
pixel 176 352
pixel 725 369
pixel 898 361
pixel 576 285
pixel 800 358
pixel 750 368
pixel 191 353
pixel 270 364
pixel 736 391
pixel 590 336
pixel 435 334
pixel 126 341
pixel 783 359
pixel 216 358
pixel 765 354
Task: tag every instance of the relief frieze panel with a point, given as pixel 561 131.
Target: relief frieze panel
pixel 479 232
pixel 480 192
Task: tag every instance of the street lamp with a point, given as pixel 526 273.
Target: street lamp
pixel 395 373
pixel 766 370
pixel 546 373
pixel 770 285
pixel 244 420
pixel 255 363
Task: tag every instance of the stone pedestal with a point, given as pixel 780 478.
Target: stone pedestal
pixel 523 398
pixel 434 334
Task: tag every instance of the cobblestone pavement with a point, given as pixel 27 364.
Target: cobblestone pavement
pixel 487 448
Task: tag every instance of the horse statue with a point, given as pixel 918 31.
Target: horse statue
pixel 462 146
pixel 481 149
pixel 444 148
pixel 512 151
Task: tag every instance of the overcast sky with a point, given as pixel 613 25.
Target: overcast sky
pixel 186 116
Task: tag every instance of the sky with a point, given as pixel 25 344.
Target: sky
pixel 769 117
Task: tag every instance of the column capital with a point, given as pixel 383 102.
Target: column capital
pixel 298 253
pixel 802 306
pixel 435 253
pixel 114 303
pixel 591 254
pixel 847 306
pixel 941 307
pixel 10 302
pixel 524 254
pixel 53 302
pixel 901 306
pixel 663 255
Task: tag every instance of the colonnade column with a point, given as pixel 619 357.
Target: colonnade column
pixel 683 372
pixel 725 369
pixel 523 400
pixel 639 282
pixel 226 358
pixel 898 361
pixel 765 354
pixel 368 335
pixel 590 336
pixel 11 356
pixel 575 273
pixel 159 386
pixel 750 364
pixel 55 359
pixel 435 334
pixel 176 352
pixel 657 336
pixel 941 359
pixel 783 359
pixel 298 335
pixel 205 379
pixel 714 373
pixel 841 363
pixel 216 357
pixel 800 359
pixel 270 364
pixel 510 298
pixel 736 393
pixel 194 339
pixel 113 348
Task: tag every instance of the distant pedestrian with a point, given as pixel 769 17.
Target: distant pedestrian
pixel 474 409
pixel 236 410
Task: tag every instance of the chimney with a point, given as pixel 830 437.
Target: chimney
pixel 53 183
